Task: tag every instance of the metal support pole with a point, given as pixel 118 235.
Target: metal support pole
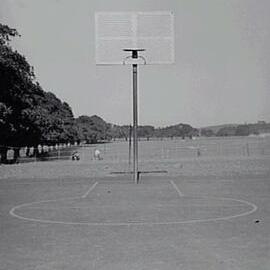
pixel 135 123
pixel 129 147
pixel 135 108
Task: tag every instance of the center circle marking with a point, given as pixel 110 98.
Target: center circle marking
pixel 246 207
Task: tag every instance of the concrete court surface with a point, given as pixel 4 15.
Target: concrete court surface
pixel 111 223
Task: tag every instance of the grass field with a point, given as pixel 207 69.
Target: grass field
pixel 208 212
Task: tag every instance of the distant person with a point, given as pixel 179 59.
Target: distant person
pixel 75 156
pixel 97 154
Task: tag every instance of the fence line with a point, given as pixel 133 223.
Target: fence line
pixel 167 150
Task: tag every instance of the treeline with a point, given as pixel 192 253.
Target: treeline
pixel 94 129
pixel 29 116
pixel 180 130
pixel 237 130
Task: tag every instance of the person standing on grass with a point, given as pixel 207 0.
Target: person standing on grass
pixel 97 154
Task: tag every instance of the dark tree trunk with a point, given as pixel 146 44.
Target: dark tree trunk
pixel 3 153
pixel 16 154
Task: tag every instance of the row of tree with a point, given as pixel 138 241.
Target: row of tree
pixel 94 129
pixel 237 130
pixel 180 130
pixel 29 116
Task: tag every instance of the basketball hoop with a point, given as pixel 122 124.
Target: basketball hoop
pixel 150 34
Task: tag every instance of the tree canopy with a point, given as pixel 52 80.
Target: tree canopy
pixel 28 114
pixel 93 129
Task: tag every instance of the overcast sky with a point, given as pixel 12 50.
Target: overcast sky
pixel 221 74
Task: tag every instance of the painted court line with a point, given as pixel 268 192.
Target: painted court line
pixel 14 212
pixel 137 223
pixel 177 189
pixel 89 190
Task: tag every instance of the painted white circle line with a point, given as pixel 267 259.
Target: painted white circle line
pixel 180 193
pixel 224 218
pixel 11 212
pixel 89 190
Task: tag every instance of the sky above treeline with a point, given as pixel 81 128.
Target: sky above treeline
pixel 220 75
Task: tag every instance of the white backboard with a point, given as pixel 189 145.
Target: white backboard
pixel 152 31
